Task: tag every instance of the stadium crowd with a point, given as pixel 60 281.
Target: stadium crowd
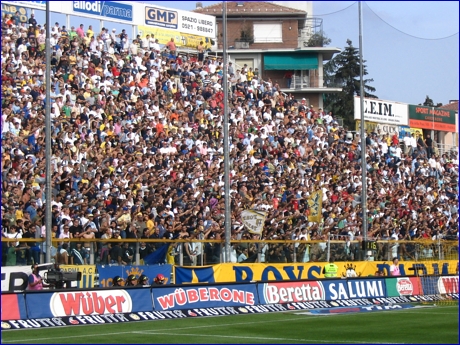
pixel 137 152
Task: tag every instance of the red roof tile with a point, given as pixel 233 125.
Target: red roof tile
pixel 249 8
pixel 451 106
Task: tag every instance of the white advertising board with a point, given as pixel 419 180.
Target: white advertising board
pixel 382 111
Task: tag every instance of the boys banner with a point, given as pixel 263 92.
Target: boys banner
pixel 106 272
pixel 278 272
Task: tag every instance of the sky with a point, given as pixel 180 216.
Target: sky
pixel 411 49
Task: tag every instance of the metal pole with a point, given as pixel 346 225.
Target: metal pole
pixel 363 141
pixel 228 218
pixel 328 246
pixel 48 136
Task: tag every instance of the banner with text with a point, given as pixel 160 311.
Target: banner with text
pixel 291 271
pixel 106 272
pixel 205 296
pixel 12 9
pixel 432 118
pixel 182 21
pixel 88 274
pixel 181 39
pixel 87 302
pixel 381 111
pixel 325 290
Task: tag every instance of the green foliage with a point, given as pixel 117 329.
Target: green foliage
pixel 318 39
pixel 429 102
pixel 343 71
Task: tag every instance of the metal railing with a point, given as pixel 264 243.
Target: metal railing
pixel 209 252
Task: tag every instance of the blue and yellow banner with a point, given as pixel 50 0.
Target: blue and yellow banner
pixel 224 273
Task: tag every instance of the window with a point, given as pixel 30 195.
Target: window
pixel 268 32
pixel 240 63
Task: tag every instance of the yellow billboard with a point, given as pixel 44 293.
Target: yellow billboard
pixel 181 39
pixel 368 126
pixel 417 131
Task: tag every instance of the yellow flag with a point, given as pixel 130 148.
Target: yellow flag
pixel 315 205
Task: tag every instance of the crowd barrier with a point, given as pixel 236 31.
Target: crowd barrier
pixel 14 278
pixel 51 308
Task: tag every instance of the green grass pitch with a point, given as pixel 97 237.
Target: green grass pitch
pixel 434 325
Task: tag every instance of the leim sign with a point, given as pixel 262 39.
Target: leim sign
pixel 109 9
pixel 381 111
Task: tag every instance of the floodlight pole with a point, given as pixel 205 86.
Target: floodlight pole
pixel 228 217
pixel 48 214
pixel 363 140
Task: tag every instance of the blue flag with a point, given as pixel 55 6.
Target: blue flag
pixel 158 256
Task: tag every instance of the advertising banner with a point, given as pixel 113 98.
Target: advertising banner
pixel 381 111
pixel 448 285
pixel 326 290
pixel 404 286
pixel 182 21
pixel 108 9
pixel 366 309
pixel 91 302
pixel 181 39
pixel 204 296
pixel 278 272
pixel 13 307
pixel 416 132
pixel 432 118
pixel 88 273
pixel 41 5
pixel 106 272
pixel 12 9
pixel 15 278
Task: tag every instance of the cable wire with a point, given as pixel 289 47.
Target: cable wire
pixel 326 14
pixel 405 33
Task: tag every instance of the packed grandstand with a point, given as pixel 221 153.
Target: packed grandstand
pixel 137 152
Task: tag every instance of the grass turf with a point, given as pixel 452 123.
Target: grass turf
pixel 417 325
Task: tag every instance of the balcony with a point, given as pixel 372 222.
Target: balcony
pixel 303 80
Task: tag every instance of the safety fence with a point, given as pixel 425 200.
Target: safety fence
pixel 40 309
pixel 184 252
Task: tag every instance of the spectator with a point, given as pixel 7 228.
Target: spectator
pixel 142 133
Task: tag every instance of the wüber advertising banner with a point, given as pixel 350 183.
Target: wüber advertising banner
pixel 88 302
pixel 432 118
pixel 381 111
pixel 223 273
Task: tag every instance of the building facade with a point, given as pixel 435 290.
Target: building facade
pixel 275 39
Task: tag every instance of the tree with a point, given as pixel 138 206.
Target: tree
pixel 318 39
pixel 429 103
pixel 343 71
